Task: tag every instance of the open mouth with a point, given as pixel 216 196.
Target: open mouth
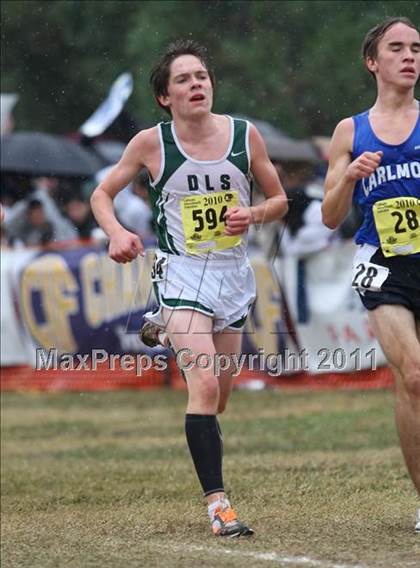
pixel 197 97
pixel 409 70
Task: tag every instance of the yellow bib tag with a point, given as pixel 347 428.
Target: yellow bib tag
pixel 203 220
pixel 397 221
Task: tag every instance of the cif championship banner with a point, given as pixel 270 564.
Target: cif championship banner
pixel 74 301
pixel 306 316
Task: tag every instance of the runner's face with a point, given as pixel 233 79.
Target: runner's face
pixel 190 92
pixel 398 57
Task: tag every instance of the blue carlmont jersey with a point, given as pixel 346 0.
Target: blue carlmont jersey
pixel 397 176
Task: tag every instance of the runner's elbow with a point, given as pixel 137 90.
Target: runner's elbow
pixel 328 218
pixel 283 209
pixel 96 196
pixel 330 223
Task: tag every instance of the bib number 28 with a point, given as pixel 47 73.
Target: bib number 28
pixel 397 221
pixel 410 220
pixel 369 276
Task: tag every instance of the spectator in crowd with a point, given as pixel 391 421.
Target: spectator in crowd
pixel 36 230
pixel 80 214
pixel 20 192
pixel 14 188
pixel 303 232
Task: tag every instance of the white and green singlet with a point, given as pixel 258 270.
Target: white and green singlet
pixel 190 197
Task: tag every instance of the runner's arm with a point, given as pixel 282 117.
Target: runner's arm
pixel 338 186
pixel 343 174
pixel 124 246
pixel 118 178
pixel 275 205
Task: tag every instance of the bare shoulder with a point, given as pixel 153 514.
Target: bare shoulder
pixel 345 126
pixel 343 135
pixel 253 131
pixel 256 141
pixel 143 150
pixel 340 152
pixel 146 141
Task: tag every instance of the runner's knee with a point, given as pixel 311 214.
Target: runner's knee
pixel 411 376
pixel 207 387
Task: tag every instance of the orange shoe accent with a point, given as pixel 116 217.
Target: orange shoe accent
pixel 227 515
pixel 226 523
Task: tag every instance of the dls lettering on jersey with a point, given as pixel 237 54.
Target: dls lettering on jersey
pixel 391 172
pixel 220 182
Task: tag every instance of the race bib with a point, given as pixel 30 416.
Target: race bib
pixel 203 220
pixel 397 221
pixel 369 276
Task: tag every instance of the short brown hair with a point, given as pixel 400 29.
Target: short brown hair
pixel 374 36
pixel 159 77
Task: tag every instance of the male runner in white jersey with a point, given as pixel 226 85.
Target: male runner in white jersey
pixel 375 160
pixel 200 166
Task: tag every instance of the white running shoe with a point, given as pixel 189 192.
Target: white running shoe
pixel 417 527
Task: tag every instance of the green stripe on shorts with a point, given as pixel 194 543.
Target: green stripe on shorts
pixel 239 323
pixel 180 303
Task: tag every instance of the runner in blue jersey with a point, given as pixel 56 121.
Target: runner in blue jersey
pixel 200 166
pixel 375 161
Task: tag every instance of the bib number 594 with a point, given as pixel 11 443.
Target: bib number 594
pixel 210 217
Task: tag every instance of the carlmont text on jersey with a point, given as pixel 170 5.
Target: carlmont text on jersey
pixel 391 172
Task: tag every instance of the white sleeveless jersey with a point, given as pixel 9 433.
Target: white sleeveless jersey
pixel 189 197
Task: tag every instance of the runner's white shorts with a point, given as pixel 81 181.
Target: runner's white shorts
pixel 221 289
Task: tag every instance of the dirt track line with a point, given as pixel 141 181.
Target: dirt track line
pixel 267 556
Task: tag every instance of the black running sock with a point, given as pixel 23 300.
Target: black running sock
pixel 220 435
pixel 204 442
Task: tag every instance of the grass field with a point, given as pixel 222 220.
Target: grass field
pixel 105 480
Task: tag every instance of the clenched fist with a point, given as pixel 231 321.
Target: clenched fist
pixel 364 165
pixel 125 246
pixel 237 220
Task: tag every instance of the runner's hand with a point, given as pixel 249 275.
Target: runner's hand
pixel 237 220
pixel 125 246
pixel 364 165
